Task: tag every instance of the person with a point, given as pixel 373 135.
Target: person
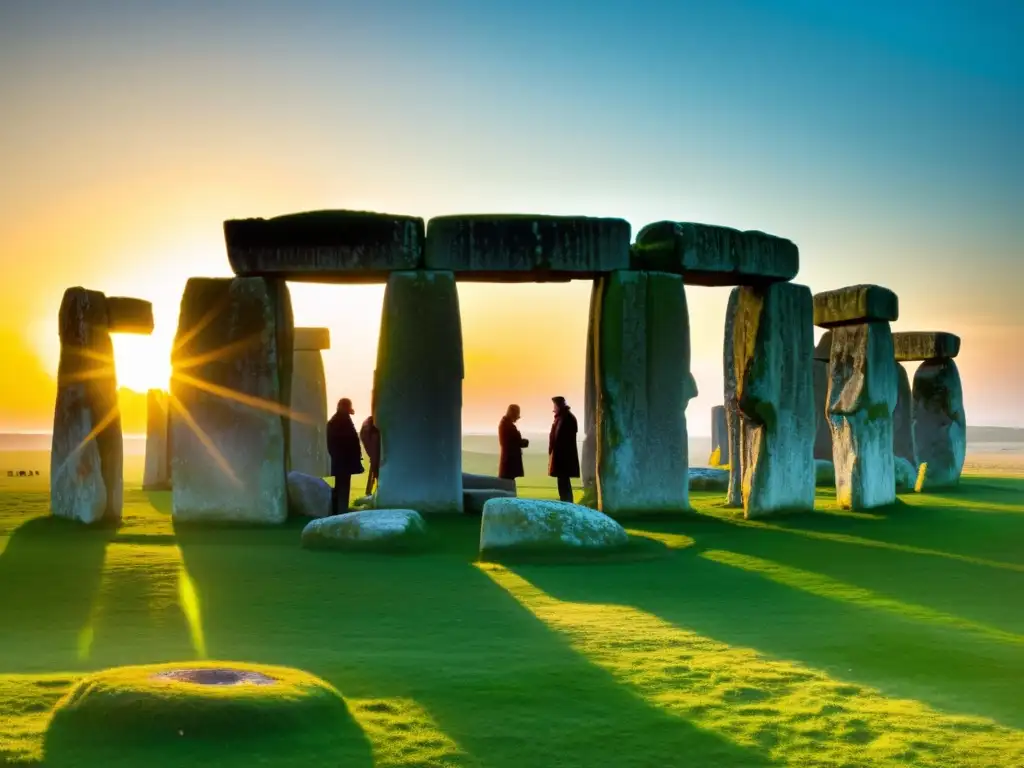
pixel 370 436
pixel 510 445
pixel 346 456
pixel 563 458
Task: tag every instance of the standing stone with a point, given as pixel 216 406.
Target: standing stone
pixel 903 444
pixel 719 437
pixel 773 352
pixel 418 406
pixel 643 386
pixel 733 416
pixel 940 425
pixel 588 451
pixel 822 434
pixel 231 357
pixel 86 459
pixel 308 438
pixel 157 476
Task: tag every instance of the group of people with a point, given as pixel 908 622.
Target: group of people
pixel 345 446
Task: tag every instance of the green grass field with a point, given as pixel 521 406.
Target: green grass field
pixel 833 639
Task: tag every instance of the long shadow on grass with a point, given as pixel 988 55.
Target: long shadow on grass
pixel 949 668
pixel 434 629
pixel 49 575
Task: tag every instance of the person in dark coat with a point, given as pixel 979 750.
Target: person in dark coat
pixel 346 455
pixel 563 458
pixel 370 436
pixel 511 444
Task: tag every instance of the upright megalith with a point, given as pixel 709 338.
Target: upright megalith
pixel 822 433
pixel 229 401
pixel 903 443
pixel 733 416
pixel 643 381
pixel 588 451
pixel 773 352
pixel 862 392
pixel 939 423
pixel 308 437
pixel 157 475
pixel 719 437
pixel 86 460
pixel 418 394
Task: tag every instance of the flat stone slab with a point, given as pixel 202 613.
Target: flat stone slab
pixel 472 482
pixel 533 525
pixel 855 304
pixel 312 339
pixel 325 246
pixel 308 495
pixel 703 479
pixel 705 254
pixel 473 499
pixel 374 529
pixel 918 346
pixel 125 315
pixel 525 247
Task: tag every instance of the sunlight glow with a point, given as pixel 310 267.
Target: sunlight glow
pixel 188 598
pixel 251 401
pixel 105 422
pixel 142 362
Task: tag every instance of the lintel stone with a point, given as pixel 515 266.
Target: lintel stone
pixel 526 247
pixel 331 246
pixel 312 339
pixel 126 315
pixel 715 256
pixel 918 346
pixel 854 305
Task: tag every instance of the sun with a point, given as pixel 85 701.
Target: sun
pixel 142 362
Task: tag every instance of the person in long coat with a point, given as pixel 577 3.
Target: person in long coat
pixel 511 444
pixel 346 455
pixel 370 436
pixel 563 457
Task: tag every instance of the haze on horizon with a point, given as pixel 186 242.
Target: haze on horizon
pixel 884 142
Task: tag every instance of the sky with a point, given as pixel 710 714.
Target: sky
pixel 884 138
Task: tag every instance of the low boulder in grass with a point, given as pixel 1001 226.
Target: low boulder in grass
pixel 376 530
pixel 824 473
pixel 308 496
pixel 708 479
pixel 473 499
pixel 534 527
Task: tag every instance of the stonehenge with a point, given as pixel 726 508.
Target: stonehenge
pixel 87 453
pixel 157 475
pixel 862 392
pixel 308 437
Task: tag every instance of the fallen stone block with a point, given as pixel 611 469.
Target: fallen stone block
pixel 915 346
pixel 229 402
pixel 703 479
pixel 719 438
pixel 308 495
pixel 773 356
pixel 940 424
pixel 531 248
pixel 374 530
pixel 532 526
pixel 126 315
pixel 644 383
pixel 710 255
pixel 486 482
pixel 419 394
pixel 862 397
pixel 87 452
pixel 325 246
pixel 854 305
pixel 312 339
pixel 157 476
pixel 903 443
pixel 473 500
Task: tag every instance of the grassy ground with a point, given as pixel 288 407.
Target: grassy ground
pixel 832 639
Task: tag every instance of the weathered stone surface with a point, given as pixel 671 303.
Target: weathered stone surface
pixel 325 246
pixel 532 525
pixel 903 443
pixel 861 399
pixel 823 349
pixel 308 438
pixel 369 529
pixel 733 417
pixel 940 424
pixel 854 305
pixel 824 473
pixel 822 433
pixel 906 475
pixel 526 247
pixel 308 495
pixel 643 386
pixel 710 255
pixel 157 475
pixel 419 394
pixel 312 339
pixel 231 362
pixel 719 438
pixel 86 459
pixel 588 450
pixel 486 482
pixel 473 500
pixel 126 315
pixel 703 479
pixel 773 354
pixel 914 346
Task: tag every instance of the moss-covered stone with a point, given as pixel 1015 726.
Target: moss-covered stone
pixel 523 526
pixel 940 423
pixel 855 304
pixel 914 346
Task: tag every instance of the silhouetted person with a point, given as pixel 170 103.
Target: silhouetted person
pixel 510 444
pixel 563 459
pixel 346 456
pixel 370 436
